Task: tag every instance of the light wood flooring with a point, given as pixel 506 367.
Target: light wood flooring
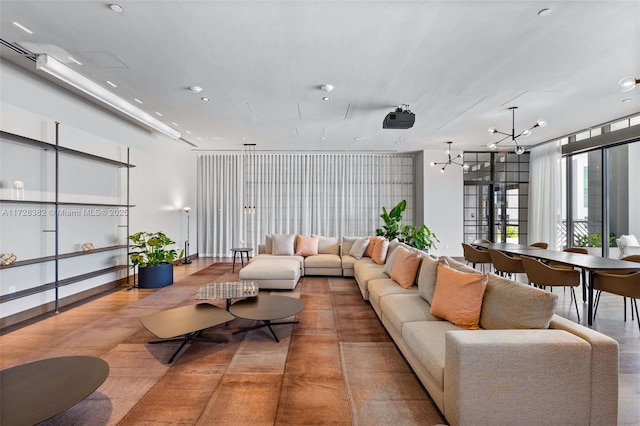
pixel 18 341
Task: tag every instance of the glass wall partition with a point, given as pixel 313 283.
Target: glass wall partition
pixel 601 187
pixel 496 191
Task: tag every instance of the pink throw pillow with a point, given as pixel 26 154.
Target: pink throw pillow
pixel 405 267
pixel 306 246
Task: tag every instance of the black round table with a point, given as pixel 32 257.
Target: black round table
pixel 34 392
pixel 266 308
pixel 244 251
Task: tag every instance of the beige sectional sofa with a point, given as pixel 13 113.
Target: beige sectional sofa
pixel 524 366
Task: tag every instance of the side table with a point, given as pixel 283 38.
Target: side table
pixel 241 250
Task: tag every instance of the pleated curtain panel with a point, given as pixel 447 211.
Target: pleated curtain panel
pixel 241 198
pixel 545 195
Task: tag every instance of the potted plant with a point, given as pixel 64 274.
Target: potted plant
pixel 419 237
pixel 391 228
pixel 153 258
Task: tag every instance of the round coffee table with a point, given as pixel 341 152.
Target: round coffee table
pixel 34 392
pixel 266 309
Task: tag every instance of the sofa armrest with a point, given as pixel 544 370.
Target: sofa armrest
pixel 517 377
pixel 604 370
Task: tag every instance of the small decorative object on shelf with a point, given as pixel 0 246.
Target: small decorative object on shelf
pixel 7 259
pixel 18 189
pixel 87 247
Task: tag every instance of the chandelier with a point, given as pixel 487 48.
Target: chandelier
pixel 450 160
pixel 526 132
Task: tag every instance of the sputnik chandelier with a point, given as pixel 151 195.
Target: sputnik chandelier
pixel 526 132
pixel 450 160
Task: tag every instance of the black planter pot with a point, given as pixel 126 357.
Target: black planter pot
pixel 155 276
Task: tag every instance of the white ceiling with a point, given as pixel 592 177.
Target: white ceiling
pixel 458 64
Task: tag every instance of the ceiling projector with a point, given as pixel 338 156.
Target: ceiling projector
pixel 401 118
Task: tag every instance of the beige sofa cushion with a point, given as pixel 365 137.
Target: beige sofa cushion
pixel 427 277
pixel 348 262
pixel 511 305
pixel 323 261
pixel 400 309
pixel 328 245
pixel 427 341
pixel 451 262
pixel 385 287
pixel 268 244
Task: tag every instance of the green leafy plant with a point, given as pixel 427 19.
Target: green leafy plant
pixel 150 249
pixel 419 237
pixel 594 240
pixel 391 228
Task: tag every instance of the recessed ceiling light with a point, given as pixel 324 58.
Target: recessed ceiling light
pixel 158 114
pixel 22 27
pixel 138 100
pixel 544 12
pixel 626 100
pixel 116 8
pixel 188 132
pixel 72 59
pixel 326 98
pixel 111 84
pixel 174 123
pixel 199 138
pixel 205 99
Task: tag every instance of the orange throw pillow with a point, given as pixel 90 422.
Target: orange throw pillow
pixel 306 246
pixel 458 296
pixel 372 244
pixel 380 251
pixel 405 267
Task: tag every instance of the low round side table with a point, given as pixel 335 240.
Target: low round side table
pixel 266 309
pixel 37 391
pixel 241 250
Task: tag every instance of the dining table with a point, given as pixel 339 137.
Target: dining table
pixel 587 262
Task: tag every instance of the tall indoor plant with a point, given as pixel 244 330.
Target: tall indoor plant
pixel 150 253
pixel 391 228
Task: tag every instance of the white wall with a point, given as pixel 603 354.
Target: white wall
pixel 162 183
pixel 443 203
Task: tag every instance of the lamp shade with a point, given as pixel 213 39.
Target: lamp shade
pixel 627 84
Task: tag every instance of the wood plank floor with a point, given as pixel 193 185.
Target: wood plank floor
pixel 18 341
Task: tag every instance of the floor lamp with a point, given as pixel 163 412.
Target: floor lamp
pixel 186 259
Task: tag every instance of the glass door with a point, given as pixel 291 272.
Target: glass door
pixel 586 201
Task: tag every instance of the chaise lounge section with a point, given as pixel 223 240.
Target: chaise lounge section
pixel 518 363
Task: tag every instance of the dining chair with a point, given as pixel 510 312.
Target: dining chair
pixel 608 284
pixel 476 255
pixel 544 276
pixel 583 274
pixel 627 285
pixel 540 245
pixel 481 241
pixel 505 264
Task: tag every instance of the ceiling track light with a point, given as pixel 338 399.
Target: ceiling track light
pixel 450 160
pixel 60 71
pixel 526 132
pixel 628 83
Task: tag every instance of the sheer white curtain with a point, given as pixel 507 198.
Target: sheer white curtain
pixel 326 194
pixel 545 192
pixel 220 195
